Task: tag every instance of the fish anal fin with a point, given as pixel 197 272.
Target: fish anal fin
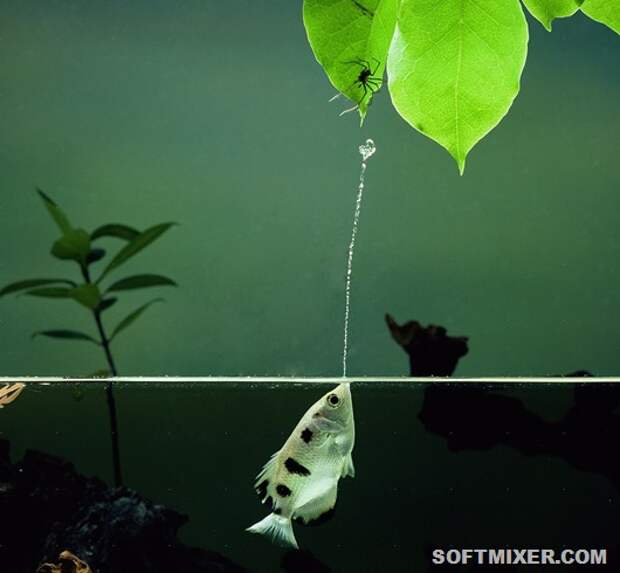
pixel 320 501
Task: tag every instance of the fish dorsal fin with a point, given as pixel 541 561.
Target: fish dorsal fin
pixel 267 471
pixel 319 501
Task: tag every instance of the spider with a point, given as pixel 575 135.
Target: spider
pixel 366 80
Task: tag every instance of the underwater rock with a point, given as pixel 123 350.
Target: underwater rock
pixel 474 418
pixel 431 351
pixel 303 562
pixel 46 507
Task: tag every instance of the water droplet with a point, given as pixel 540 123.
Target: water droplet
pixel 368 149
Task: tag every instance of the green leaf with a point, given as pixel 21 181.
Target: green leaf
pixel 545 11
pixel 94 255
pixel 23 285
pixel 136 245
pixel 87 295
pixel 348 37
pixel 50 292
pixel 141 281
pixel 67 335
pixel 56 212
pixel 604 11
pixel 115 230
pixel 107 303
pixel 454 67
pixel 73 245
pixel 132 317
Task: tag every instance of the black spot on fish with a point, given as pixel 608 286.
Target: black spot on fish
pixel 277 511
pixel 261 488
pixel 283 490
pixel 306 435
pixel 294 467
pixel 326 516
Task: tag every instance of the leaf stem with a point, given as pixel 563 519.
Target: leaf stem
pixel 105 343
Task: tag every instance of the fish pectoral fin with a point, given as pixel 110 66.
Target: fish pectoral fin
pixel 348 469
pixel 319 507
pixel 322 424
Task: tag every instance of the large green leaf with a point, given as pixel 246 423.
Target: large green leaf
pixel 141 281
pixel 67 335
pixel 545 11
pixel 87 295
pixel 132 317
pixel 74 245
pixel 604 11
pixel 136 245
pixel 56 212
pixel 23 285
pixel 454 67
pixel 348 37
pixel 50 292
pixel 115 230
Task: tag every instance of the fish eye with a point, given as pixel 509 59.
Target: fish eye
pixel 333 400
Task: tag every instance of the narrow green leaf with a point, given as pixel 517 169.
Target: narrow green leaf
pixel 107 303
pixel 454 67
pixel 23 285
pixel 115 230
pixel 141 281
pixel 73 245
pixel 604 11
pixel 94 255
pixel 136 245
pixel 132 317
pixel 50 292
pixel 67 335
pixel 545 11
pixel 87 295
pixel 56 212
pixel 351 38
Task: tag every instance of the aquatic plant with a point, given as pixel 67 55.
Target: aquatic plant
pixel 78 246
pixel 454 66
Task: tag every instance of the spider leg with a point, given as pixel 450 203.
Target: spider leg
pixel 359 62
pixel 373 72
pixel 349 110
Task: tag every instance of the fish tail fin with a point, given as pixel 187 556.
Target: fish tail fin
pixel 279 529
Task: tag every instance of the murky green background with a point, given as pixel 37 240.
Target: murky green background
pixel 215 115
pixel 197 447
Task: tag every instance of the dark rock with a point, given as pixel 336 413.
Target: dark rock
pixel 47 507
pixel 431 351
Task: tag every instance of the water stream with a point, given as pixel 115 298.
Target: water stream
pixel 366 150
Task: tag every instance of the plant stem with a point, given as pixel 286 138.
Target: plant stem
pixel 105 343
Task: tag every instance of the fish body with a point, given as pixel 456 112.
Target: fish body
pixel 300 481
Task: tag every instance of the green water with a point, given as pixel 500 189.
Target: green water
pixel 196 447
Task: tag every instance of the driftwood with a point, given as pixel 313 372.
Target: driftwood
pixel 10 393
pixel 68 563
